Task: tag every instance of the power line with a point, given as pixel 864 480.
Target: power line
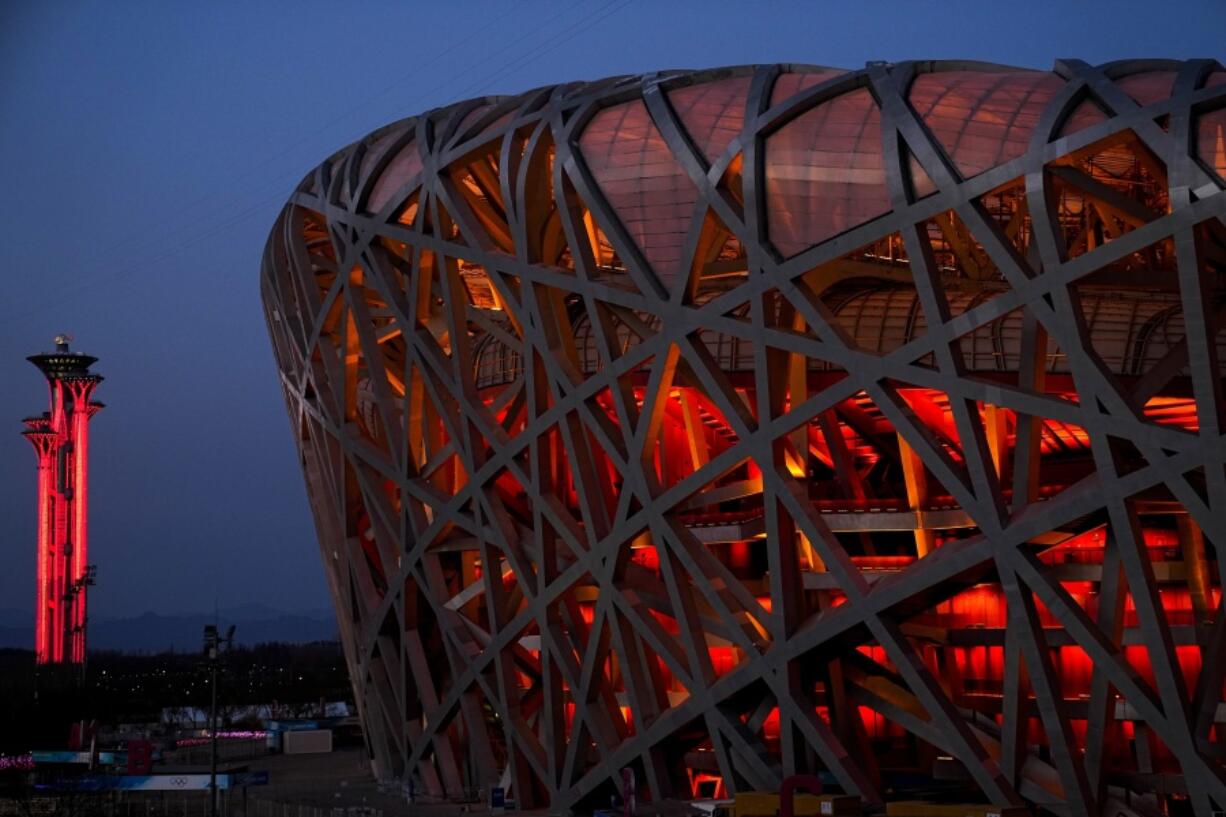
pixel 280 180
pixel 513 65
pixel 527 59
pixel 286 150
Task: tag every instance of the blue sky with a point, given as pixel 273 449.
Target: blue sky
pixel 148 147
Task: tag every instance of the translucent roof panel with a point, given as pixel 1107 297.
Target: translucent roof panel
pixel 983 119
pixel 471 117
pixel 399 172
pixel 646 187
pixel 1211 140
pixel 375 150
pixel 712 112
pixel 792 82
pixel 1211 131
pixel 921 183
pixel 1085 115
pixel 492 128
pixel 1148 87
pixel 825 173
pixel 336 173
pixel 1132 331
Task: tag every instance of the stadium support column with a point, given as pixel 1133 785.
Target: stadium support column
pixel 916 481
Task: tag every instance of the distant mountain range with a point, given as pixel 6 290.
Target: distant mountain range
pixel 157 632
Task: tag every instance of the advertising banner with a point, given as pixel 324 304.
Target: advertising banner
pixel 149 782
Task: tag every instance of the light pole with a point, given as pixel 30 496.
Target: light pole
pixel 213 642
pixel 88 579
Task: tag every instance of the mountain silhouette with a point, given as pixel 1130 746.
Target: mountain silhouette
pixel 157 632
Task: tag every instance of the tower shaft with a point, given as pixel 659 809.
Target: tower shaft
pixel 61 441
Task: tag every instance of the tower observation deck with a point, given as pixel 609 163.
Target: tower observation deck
pixel 60 437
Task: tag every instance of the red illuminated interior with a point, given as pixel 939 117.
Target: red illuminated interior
pixel 595 530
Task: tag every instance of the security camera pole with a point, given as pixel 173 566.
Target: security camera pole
pixel 213 642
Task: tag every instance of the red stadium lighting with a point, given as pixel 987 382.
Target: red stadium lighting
pixel 60 437
pixel 737 424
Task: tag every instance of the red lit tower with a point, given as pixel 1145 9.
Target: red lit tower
pixel 60 438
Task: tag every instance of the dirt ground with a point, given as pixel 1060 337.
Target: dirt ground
pixel 317 785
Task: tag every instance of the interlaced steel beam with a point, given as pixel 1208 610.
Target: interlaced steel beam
pixel 735 424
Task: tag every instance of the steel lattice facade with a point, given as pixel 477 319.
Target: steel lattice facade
pixel 731 424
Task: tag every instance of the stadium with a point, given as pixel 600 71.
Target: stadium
pixel 734 424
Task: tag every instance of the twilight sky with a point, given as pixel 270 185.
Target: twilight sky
pixel 148 147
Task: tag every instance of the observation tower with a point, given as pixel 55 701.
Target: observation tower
pixel 60 437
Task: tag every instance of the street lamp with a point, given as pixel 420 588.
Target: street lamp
pixel 213 642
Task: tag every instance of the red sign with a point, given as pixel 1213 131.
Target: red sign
pixel 140 757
